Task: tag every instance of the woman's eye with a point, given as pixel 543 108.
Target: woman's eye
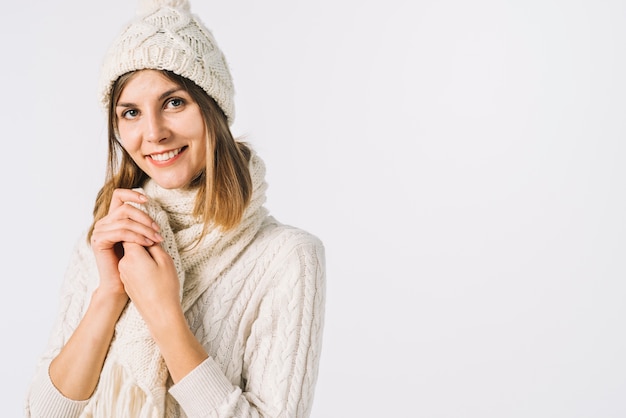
pixel 130 114
pixel 176 102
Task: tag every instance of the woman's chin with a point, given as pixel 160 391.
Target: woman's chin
pixel 172 184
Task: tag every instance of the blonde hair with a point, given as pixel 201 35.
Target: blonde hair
pixel 224 186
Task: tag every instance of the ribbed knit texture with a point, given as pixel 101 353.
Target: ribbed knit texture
pixel 259 316
pixel 166 36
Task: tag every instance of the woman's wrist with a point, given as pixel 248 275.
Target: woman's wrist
pixel 179 347
pixel 111 298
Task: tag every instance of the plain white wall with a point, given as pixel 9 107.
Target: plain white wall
pixel 462 161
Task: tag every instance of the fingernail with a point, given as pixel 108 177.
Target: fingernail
pixel 159 237
pixel 150 242
pixel 155 226
pixel 142 198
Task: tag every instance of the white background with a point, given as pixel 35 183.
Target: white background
pixel 463 163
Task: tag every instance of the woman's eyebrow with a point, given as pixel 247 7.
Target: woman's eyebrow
pixel 169 92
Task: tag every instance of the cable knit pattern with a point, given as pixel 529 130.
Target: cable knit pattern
pixel 259 315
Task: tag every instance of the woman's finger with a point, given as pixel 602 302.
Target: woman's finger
pixel 125 224
pixel 130 212
pixel 121 196
pixel 106 239
pixel 159 255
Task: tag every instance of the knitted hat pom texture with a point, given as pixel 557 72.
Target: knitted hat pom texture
pixel 165 35
pixel 146 7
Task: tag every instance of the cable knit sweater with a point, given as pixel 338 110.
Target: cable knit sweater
pixel 260 321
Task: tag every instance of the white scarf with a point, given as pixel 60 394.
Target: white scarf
pixel 133 381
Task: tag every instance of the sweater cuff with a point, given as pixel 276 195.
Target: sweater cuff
pixel 47 401
pixel 203 390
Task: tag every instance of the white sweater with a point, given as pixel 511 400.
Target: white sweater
pixel 261 322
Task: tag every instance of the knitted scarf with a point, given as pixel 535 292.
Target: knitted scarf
pixel 133 381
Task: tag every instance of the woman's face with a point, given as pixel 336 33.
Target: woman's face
pixel 162 129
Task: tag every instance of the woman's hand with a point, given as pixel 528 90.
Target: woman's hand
pixel 123 224
pixel 151 281
pixel 75 371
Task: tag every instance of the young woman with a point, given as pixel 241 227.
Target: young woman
pixel 185 298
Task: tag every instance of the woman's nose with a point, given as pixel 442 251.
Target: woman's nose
pixel 155 128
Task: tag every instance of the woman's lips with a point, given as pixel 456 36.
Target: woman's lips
pixel 167 157
pixel 164 156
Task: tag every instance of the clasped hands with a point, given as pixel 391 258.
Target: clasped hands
pixel 131 262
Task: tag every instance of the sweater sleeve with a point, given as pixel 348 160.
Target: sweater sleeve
pixel 282 353
pixel 43 399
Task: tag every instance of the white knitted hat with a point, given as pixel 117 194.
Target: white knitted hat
pixel 167 36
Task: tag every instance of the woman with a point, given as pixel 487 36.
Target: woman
pixel 185 298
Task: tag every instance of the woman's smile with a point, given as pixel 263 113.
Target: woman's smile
pixel 166 157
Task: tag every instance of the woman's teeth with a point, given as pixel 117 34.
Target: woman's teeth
pixel 166 155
